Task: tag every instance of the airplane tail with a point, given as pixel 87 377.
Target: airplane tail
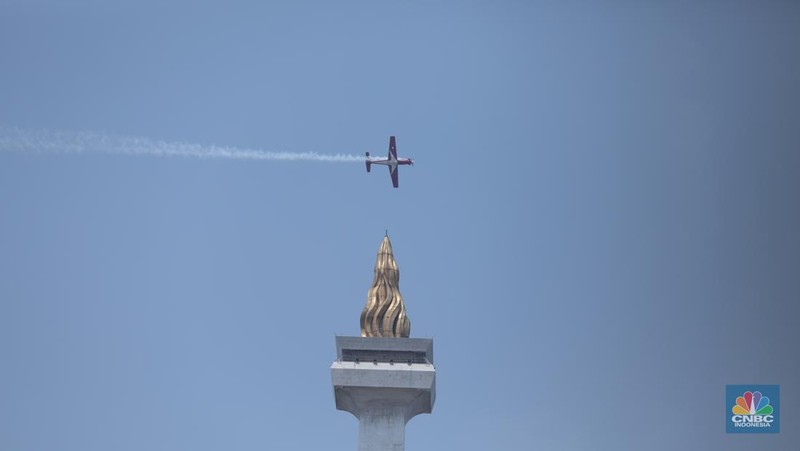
pixel 369 163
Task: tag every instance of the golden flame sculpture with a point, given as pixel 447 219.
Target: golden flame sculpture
pixel 384 314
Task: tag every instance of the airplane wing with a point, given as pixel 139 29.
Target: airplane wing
pixel 392 148
pixel 394 173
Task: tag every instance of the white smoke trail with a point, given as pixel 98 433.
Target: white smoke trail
pixel 46 141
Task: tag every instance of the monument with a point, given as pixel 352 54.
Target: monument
pixel 384 377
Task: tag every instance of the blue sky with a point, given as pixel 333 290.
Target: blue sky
pixel 600 231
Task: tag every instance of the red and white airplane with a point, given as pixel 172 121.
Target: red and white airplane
pixel 392 161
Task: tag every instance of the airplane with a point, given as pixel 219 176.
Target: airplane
pixel 391 161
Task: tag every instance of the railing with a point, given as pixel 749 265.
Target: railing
pixel 390 357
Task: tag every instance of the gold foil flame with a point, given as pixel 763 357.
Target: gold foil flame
pixel 384 314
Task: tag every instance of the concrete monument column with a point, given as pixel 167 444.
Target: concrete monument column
pixel 383 377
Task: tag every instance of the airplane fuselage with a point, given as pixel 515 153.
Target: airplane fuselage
pixel 392 163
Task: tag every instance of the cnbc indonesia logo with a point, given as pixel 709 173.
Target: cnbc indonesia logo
pixel 752 410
